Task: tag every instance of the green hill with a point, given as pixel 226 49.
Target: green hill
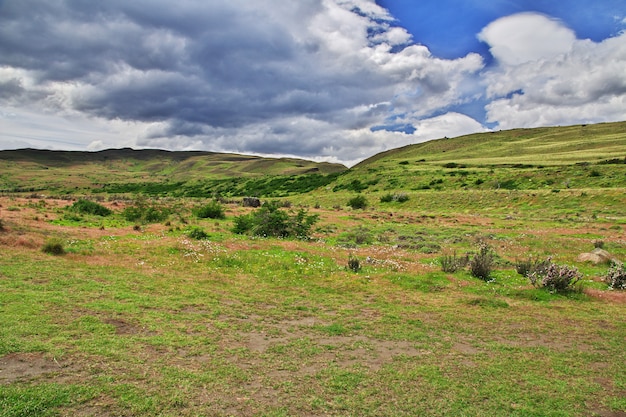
pixel 551 158
pixel 583 156
pixel 120 170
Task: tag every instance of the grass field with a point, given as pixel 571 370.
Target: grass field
pixel 142 320
pixel 152 311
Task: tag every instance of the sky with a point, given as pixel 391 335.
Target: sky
pixel 325 80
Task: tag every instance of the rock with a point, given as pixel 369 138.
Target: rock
pixel 597 256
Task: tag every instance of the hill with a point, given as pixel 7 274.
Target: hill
pixel 553 158
pixel 120 170
pixel 550 158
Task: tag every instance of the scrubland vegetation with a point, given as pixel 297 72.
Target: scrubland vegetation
pixel 367 295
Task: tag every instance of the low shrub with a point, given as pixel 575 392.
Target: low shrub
pixel 400 198
pixel 213 210
pixel 271 221
pixel 530 266
pixel 556 278
pixel 89 207
pixel 482 263
pixel 387 198
pixel 358 202
pixel 616 276
pixel 353 263
pixel 53 247
pixel 358 236
pixel 453 263
pixel 141 212
pixel 197 233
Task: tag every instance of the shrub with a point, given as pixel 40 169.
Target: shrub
pixel 53 247
pixel 271 221
pixel 353 263
pixel 357 202
pixel 453 263
pixel 481 264
pixel 557 278
pixel 90 207
pixel 213 210
pixel 197 233
pixel 616 276
pixel 400 198
pixel 530 266
pixel 143 213
pixel 387 198
pixel 358 236
pixel 243 224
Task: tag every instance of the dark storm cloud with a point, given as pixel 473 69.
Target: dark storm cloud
pixel 207 70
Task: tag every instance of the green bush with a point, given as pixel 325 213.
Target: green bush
pixel 358 202
pixel 89 207
pixel 213 210
pixel 387 198
pixel 197 233
pixel 616 276
pixel 141 212
pixel 271 221
pixel 243 224
pixel 53 247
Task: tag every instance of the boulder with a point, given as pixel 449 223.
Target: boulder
pixel 597 256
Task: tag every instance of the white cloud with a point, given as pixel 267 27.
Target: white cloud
pixel 577 81
pixel 309 77
pixel 312 78
pixel 526 37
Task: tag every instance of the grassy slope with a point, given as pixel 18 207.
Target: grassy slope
pixel 63 170
pixel 523 159
pixel 538 146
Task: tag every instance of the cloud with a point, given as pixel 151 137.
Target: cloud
pixel 567 82
pixel 526 37
pixel 308 78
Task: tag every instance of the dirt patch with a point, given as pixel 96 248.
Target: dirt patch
pixel 618 297
pixel 26 366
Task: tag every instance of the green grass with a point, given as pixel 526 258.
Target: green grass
pixel 151 322
pixel 155 323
